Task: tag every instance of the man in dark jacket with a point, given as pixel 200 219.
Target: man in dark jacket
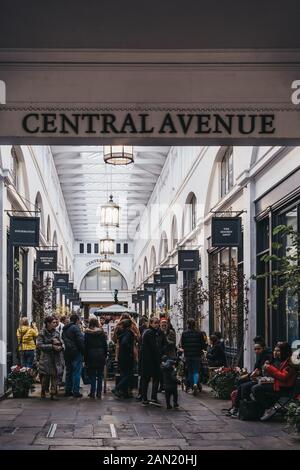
pixel 74 349
pixel 216 353
pixel 193 344
pixel 150 361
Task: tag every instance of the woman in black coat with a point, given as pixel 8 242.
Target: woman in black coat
pixel 95 352
pixel 125 338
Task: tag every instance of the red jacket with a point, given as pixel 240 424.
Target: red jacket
pixel 285 376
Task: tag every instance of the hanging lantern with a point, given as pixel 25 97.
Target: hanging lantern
pixel 105 265
pixel 107 246
pixel 118 154
pixel 110 213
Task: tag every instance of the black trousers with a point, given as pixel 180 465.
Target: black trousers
pixel 264 394
pixel 145 380
pixel 243 392
pixel 171 392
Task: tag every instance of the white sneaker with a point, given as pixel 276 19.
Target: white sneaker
pixel 268 414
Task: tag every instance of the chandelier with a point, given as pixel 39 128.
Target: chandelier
pixel 110 213
pixel 107 246
pixel 105 265
pixel 118 154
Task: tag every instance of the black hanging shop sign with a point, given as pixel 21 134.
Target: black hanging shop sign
pixel 24 231
pixel 157 281
pixel 225 231
pixel 134 298
pixel 46 260
pixel 168 275
pixel 140 295
pixel 61 281
pixel 149 288
pixel 188 260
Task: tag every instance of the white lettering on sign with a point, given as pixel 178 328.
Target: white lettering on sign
pixel 295 97
pixel 226 232
pixel 2 92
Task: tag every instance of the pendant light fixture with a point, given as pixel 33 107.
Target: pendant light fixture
pixel 118 154
pixel 110 214
pixel 105 265
pixel 107 246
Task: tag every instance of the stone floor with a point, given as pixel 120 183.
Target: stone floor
pixel 113 424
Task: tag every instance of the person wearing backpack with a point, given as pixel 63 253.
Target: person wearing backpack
pixel 74 349
pixel 193 344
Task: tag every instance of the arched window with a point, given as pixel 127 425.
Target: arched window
pixel 39 211
pixel 15 167
pixel 152 259
pixel 54 240
pixel 145 269
pixel 227 172
pixel 139 276
pixel 48 230
pixel 191 209
pixel 61 257
pixel 103 281
pixel 163 249
pixel 174 235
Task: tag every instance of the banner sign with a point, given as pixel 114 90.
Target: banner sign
pixel 134 298
pixel 61 281
pixel 24 231
pixel 188 260
pixel 46 260
pixel 140 295
pixel 168 275
pixel 149 288
pixel 225 231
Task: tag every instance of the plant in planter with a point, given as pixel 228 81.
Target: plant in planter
pixel 293 416
pixel 223 382
pixel 21 381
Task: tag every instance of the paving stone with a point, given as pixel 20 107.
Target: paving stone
pixel 69 442
pixel 84 431
pixel 214 436
pixel 149 443
pixel 146 430
pixel 79 448
pixel 165 430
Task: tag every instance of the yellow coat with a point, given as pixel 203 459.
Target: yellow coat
pixel 26 336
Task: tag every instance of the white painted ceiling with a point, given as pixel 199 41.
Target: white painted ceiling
pixel 87 182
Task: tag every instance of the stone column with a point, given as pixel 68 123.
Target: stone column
pixel 3 285
pixel 249 269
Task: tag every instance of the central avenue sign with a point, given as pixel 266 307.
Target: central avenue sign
pixel 144 123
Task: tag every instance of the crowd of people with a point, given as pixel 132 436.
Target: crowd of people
pixel 66 347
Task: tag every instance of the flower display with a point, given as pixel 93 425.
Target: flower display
pixel 21 381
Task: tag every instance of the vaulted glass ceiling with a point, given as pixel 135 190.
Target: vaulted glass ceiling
pixel 87 182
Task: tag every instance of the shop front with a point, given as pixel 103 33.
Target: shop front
pixel 279 206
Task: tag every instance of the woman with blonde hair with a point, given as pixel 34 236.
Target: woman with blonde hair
pixel 27 335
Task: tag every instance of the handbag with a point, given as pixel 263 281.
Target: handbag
pixel 85 376
pixel 250 410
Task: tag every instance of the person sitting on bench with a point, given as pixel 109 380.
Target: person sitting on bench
pixel 246 382
pixel 266 394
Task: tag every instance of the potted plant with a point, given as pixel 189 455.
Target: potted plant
pixel 223 381
pixel 21 381
pixel 293 416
